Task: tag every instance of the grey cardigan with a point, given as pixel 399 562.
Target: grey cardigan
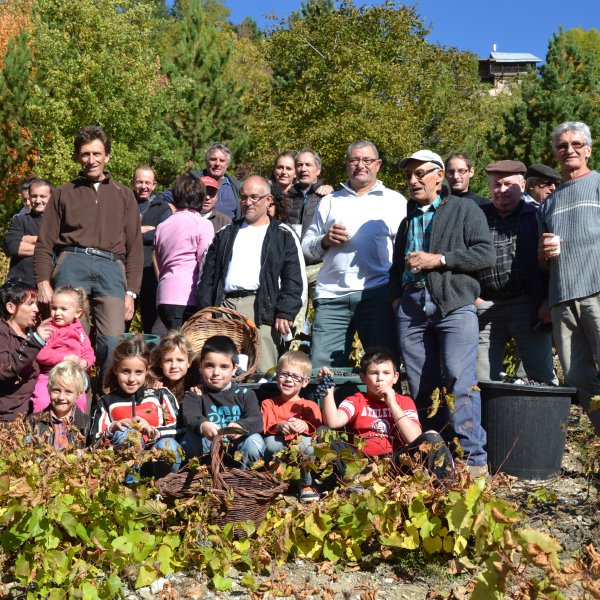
pixel 460 232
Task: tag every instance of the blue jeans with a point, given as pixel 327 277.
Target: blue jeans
pixel 337 319
pixel 104 282
pixel 440 351
pixel 151 468
pixel 252 447
pixel 276 443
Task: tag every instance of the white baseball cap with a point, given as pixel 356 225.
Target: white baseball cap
pixel 423 156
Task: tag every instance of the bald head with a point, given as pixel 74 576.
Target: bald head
pixel 255 200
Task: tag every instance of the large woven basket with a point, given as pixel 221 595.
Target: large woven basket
pixel 235 495
pixel 231 323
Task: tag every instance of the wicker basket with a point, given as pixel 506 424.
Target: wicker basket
pixel 233 324
pixel 235 495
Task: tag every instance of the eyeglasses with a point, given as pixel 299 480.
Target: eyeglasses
pixel 460 172
pixel 563 146
pixel 253 198
pixel 355 161
pixel 295 378
pixel 420 175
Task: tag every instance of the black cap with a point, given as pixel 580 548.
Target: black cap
pixel 543 172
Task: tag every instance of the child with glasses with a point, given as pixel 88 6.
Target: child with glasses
pixel 288 416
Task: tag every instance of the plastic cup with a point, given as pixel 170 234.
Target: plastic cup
pixel 555 240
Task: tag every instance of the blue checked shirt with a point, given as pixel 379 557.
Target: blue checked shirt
pixel 418 235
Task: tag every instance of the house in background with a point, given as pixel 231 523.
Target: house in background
pixel 502 69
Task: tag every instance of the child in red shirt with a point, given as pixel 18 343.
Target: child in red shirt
pixel 289 416
pixel 386 421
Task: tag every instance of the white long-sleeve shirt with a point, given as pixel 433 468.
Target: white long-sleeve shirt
pixel 363 262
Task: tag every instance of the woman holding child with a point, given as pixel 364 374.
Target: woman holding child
pixel 20 343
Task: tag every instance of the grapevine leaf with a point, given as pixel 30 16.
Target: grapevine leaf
pixel 146 576
pixel 221 583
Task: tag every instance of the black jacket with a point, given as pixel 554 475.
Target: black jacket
pixel 234 405
pixel 281 274
pixel 20 226
pixel 527 244
pixel 154 213
pixel 301 212
pixel 479 200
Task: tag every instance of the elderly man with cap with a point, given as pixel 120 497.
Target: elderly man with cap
pixel 541 181
pixel 441 246
pixel 513 301
pixel 208 211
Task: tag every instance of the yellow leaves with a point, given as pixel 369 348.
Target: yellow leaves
pixel 503 519
pixel 440 397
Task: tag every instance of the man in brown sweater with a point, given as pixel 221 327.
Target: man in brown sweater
pixel 92 227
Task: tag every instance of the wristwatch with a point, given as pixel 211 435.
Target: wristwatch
pixel 443 260
pixel 132 294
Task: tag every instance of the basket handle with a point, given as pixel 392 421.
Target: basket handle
pixel 216 462
pixel 217 452
pixel 226 311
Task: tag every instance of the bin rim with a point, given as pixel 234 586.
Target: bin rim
pixel 548 390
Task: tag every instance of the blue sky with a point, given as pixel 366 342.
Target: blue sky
pixel 474 25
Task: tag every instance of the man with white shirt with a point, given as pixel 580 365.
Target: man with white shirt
pixel 353 232
pixel 255 266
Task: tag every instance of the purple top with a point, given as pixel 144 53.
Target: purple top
pixel 180 244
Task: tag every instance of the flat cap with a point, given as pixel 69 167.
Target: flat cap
pixel 543 172
pixel 506 166
pixel 423 156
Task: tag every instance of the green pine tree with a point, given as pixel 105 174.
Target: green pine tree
pixel 565 88
pixel 205 98
pixel 315 8
pixel 15 93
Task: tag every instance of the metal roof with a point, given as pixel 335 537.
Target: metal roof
pixel 514 57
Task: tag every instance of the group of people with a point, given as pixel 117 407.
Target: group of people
pixel 441 280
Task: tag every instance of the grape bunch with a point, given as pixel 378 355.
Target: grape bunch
pixel 323 384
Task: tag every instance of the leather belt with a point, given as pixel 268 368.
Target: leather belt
pixel 94 252
pixel 240 294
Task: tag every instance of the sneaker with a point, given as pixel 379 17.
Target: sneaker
pixel 308 494
pixel 478 471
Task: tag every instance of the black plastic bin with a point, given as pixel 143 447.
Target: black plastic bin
pixel 526 427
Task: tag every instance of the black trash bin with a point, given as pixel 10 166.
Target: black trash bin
pixel 526 427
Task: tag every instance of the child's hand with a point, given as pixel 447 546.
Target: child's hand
pixel 324 371
pixel 72 357
pixel 209 430
pixel 196 390
pixel 234 436
pixel 121 425
pixel 387 394
pixel 141 423
pixel 44 329
pixel 284 428
pixel 157 385
pixel 83 363
pixel 298 425
pixel 151 432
